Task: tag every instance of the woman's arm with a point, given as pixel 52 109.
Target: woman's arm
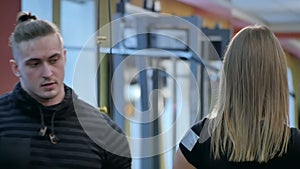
pixel 180 161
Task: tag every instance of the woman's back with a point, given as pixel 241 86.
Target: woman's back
pixel 200 157
pixel 251 118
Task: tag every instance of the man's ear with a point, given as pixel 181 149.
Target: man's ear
pixel 14 67
pixel 65 54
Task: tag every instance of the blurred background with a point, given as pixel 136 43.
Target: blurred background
pixel 153 65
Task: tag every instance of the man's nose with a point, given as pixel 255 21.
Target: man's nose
pixel 47 70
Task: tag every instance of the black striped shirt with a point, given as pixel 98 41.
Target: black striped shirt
pixel 86 138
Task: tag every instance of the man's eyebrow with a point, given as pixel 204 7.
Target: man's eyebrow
pixel 55 54
pixel 32 59
pixel 37 59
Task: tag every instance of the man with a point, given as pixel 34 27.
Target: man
pixel 42 122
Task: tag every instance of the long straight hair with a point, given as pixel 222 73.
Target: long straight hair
pixel 252 122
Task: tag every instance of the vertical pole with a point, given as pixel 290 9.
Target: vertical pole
pixel 56 12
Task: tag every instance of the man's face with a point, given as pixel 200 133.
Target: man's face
pixel 40 67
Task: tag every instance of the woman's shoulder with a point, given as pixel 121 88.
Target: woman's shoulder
pixel 294 144
pixel 192 136
pixel 198 126
pixel 191 145
pixel 295 131
pixel 295 135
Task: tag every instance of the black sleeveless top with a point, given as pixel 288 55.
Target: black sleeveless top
pixel 198 154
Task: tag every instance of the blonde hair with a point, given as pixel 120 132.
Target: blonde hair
pixel 252 120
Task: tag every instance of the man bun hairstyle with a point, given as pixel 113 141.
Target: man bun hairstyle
pixel 25 16
pixel 29 27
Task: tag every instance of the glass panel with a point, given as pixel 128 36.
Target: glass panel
pixel 42 9
pixel 78 26
pixel 154 94
pixel 78 21
pixel 158 84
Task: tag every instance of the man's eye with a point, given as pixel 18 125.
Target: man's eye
pixel 33 64
pixel 53 61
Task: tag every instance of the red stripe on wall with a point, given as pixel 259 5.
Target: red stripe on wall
pixel 8 13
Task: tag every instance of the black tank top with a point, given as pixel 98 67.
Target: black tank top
pixel 198 154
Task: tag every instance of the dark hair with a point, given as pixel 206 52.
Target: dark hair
pixel 29 27
pixel 25 16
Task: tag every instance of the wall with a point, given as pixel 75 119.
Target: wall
pixel 8 13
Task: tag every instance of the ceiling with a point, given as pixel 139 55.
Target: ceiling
pixel 279 15
pixel 282 16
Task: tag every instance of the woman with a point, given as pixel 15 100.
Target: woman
pixel 251 126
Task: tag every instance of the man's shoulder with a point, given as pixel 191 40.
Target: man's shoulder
pixel 5 98
pixel 83 105
pixel 86 110
pixel 102 129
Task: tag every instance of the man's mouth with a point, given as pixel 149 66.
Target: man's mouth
pixel 48 84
